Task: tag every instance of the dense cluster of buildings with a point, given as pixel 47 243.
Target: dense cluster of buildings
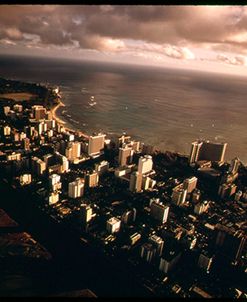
pixel 160 225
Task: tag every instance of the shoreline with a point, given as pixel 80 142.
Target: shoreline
pixel 62 122
pixel 78 132
pixel 54 115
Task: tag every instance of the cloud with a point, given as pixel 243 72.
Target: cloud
pixel 113 45
pixel 7 42
pixel 237 60
pixel 171 31
pixel 179 52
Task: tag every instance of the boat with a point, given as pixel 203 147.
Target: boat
pixel 92 104
pixel 92 101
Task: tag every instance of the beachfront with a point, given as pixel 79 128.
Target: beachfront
pixel 60 121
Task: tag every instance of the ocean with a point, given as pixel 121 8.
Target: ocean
pixel 168 108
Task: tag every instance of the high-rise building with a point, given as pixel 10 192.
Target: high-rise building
pixel 129 216
pixel 18 108
pixel 158 242
pixel 50 133
pixel 159 211
pixel 14 156
pixel 29 130
pixel 135 145
pixel 238 195
pixel 54 182
pixel 201 207
pixel 6 130
pixel 25 179
pixel 48 115
pixel 6 110
pixel 42 128
pixel 38 166
pixel 54 179
pixel 205 150
pixel 53 198
pixel 65 164
pixel 196 195
pixel 125 155
pixel 73 151
pixel 135 182
pixel 12 114
pixel 86 211
pixel 68 136
pixel 227 190
pixel 205 260
pixel 134 238
pixel 96 144
pixel 92 179
pixel 15 136
pixel 145 164
pixel 145 182
pixel 148 252
pixel 48 159
pixel 113 225
pixel 235 163
pixel 179 196
pixel 76 188
pixel 194 153
pixel 189 184
pixel 169 259
pixel 152 183
pixel 102 167
pixel 26 143
pixel 22 136
pixel 62 161
pixel 51 124
pixel 231 243
pixel 39 112
pixel 212 151
pixel 122 140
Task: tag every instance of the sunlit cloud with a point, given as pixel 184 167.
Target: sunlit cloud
pixel 179 52
pixel 153 33
pixel 237 60
pixel 7 42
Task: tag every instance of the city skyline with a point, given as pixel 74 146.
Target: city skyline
pixel 207 38
pixel 152 216
pixel 123 165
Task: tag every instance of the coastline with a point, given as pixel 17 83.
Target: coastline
pixel 54 115
pixel 54 106
pixel 63 123
pixel 59 119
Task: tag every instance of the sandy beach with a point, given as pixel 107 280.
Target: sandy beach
pixel 53 112
pixel 63 123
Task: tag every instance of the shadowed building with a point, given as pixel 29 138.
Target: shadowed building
pixel 125 155
pixel 230 243
pixel 135 182
pixel 206 150
pixel 159 211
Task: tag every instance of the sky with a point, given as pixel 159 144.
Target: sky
pixel 208 38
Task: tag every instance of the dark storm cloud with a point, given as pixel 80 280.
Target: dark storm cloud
pixel 92 25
